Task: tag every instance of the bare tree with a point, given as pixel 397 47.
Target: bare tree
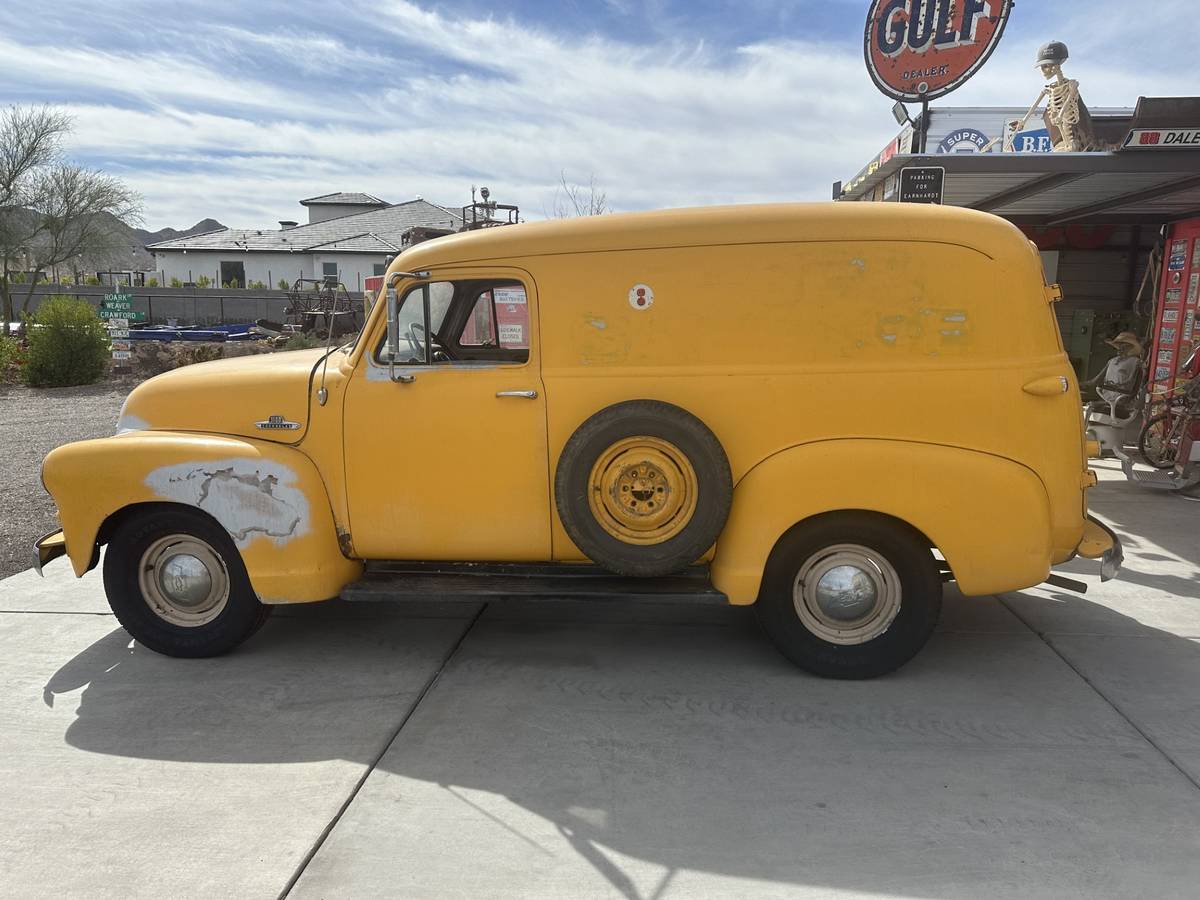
pixel 572 200
pixel 52 213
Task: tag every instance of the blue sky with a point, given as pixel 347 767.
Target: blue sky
pixel 238 109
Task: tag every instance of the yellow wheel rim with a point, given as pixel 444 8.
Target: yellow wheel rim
pixel 643 490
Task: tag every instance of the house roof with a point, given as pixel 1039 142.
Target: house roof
pixel 343 198
pixel 374 231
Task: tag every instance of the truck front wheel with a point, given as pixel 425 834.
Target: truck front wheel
pixel 850 595
pixel 177 584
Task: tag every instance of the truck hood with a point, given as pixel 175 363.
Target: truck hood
pixel 228 396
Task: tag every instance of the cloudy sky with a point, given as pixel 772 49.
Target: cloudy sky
pixel 238 109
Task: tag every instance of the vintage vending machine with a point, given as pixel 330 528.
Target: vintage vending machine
pixel 1176 334
pixel 1175 329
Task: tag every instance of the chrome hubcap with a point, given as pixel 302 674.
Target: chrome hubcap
pixel 183 580
pixel 847 594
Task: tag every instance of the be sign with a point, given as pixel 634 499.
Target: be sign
pixel 924 49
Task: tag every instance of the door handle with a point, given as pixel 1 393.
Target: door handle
pixel 528 395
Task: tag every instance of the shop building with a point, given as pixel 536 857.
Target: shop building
pixel 1119 228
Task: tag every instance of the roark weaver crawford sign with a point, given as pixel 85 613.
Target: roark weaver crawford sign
pixel 920 50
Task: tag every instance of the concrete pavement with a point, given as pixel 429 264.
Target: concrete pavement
pixel 1043 744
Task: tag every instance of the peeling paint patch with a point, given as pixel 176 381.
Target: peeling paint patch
pixel 250 498
pixel 860 264
pixel 131 423
pixel 599 324
pixel 956 317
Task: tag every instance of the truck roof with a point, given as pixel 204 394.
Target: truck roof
pixel 716 225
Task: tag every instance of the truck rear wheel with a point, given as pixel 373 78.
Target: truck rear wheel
pixel 177 584
pixel 643 488
pixel 850 595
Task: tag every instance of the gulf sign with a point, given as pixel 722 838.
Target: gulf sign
pixel 923 49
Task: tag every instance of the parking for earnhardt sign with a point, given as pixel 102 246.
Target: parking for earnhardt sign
pixel 924 49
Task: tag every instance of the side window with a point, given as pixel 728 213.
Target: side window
pixel 476 322
pixel 480 330
pixel 497 326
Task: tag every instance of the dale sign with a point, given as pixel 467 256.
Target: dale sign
pixel 923 49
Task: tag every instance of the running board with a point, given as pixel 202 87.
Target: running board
pixel 475 582
pixel 1162 479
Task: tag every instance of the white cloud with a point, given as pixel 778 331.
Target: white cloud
pixel 458 100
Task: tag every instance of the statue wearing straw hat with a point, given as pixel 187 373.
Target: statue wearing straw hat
pixel 1120 377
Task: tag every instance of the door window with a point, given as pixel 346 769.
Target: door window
pixel 470 322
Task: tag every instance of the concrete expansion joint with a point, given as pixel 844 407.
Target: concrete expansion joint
pixel 1145 735
pixel 374 764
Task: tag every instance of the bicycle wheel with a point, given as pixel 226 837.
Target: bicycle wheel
pixel 1159 440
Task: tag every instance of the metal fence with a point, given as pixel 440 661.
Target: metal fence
pixel 180 306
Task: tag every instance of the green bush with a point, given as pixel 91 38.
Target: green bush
pixel 175 282
pixel 257 286
pixel 11 358
pixel 68 344
pixel 284 284
pixel 151 282
pixel 203 281
pixel 92 280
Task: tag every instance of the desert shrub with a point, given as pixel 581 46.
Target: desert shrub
pixel 203 281
pixel 302 341
pixel 175 282
pixel 68 344
pixel 12 357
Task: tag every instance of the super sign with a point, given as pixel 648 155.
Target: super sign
pixel 924 49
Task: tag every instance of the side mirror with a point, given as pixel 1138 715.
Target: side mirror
pixel 393 325
pixel 393 335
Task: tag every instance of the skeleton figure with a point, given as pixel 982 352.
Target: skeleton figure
pixel 1066 116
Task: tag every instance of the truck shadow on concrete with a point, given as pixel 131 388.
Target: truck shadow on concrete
pixel 639 748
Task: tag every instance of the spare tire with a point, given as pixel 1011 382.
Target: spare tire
pixel 643 488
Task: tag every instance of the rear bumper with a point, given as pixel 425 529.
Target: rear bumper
pixel 48 547
pixel 1102 543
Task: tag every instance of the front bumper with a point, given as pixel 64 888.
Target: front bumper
pixel 1101 542
pixel 48 547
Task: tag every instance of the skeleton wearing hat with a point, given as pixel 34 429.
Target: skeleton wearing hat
pixel 1066 116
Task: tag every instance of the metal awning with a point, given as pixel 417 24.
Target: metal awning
pixel 1132 187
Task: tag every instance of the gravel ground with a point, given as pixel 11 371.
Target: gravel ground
pixel 32 423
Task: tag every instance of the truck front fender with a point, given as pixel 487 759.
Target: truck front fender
pixel 270 498
pixel 989 516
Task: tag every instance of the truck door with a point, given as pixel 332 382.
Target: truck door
pixel 449 461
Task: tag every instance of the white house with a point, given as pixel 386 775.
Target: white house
pixel 349 237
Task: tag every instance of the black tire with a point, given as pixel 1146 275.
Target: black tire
pixel 912 565
pixel 657 420
pixel 1155 456
pixel 241 616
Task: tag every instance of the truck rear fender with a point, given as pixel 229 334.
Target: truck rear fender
pixel 988 516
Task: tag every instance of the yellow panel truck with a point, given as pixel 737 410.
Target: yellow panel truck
pixel 825 411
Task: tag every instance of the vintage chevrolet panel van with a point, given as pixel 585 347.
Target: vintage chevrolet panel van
pixel 826 411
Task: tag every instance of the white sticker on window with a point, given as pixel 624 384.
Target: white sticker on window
pixel 511 333
pixel 510 295
pixel 641 296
